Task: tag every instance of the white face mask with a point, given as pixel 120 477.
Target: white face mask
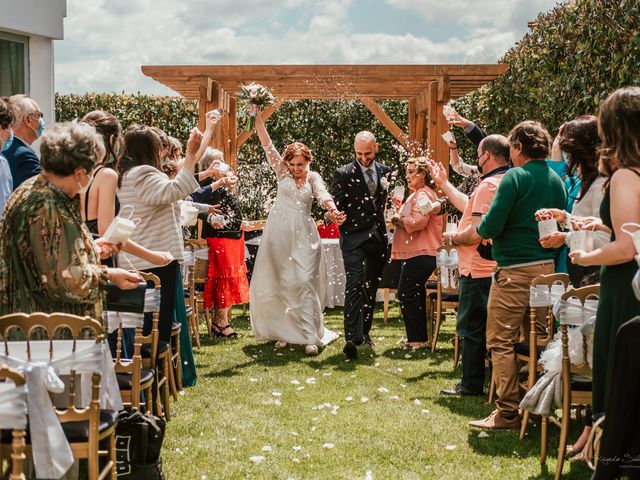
pixel 84 189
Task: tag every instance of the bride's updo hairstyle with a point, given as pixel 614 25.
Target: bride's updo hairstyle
pixel 294 149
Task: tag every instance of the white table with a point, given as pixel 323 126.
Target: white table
pixel 335 269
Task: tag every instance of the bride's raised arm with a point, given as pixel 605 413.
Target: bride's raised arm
pixel 274 158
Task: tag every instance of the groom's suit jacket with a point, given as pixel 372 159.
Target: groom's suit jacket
pixel 365 213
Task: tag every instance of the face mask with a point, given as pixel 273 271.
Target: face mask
pixel 85 189
pixel 636 285
pixel 40 128
pixel 7 145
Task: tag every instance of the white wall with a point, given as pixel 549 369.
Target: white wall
pixel 41 21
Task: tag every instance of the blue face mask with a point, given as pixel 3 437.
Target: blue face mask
pixel 7 145
pixel 41 127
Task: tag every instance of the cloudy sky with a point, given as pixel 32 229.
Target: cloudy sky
pixel 107 41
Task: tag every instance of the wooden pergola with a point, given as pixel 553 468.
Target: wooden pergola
pixel 427 88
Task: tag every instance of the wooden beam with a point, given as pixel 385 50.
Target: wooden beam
pixel 412 119
pixel 232 160
pixel 432 112
pixel 266 113
pixel 383 118
pixel 444 89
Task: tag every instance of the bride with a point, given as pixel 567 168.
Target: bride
pixel 289 283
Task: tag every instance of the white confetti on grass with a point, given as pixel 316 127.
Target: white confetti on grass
pixel 252 379
pixel 299 389
pixel 364 399
pixel 483 435
pixel 267 448
pixel 400 370
pixel 257 458
pixel 296 460
pixel 276 394
pixel 424 411
pixel 297 448
pixel 295 382
pixel 451 447
pixel 383 389
pixel 328 446
pixel 417 402
pixel 277 402
pixel 349 399
pixel 310 381
pixel 394 397
pixel 407 356
pixel 368 475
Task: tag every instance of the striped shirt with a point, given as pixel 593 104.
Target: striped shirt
pixel 153 195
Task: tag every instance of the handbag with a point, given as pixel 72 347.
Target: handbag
pixel 484 249
pixel 119 300
pixel 139 440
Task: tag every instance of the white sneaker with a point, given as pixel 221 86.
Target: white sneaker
pixel 311 349
pixel 280 344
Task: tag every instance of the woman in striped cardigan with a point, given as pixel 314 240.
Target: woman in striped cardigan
pixel 153 197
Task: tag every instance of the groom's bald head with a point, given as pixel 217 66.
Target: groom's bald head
pixel 365 147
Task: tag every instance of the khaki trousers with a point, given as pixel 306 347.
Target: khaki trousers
pixel 507 312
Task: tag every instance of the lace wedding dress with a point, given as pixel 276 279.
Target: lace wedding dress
pixel 289 284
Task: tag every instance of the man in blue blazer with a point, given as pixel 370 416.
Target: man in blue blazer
pixel 360 190
pixel 27 127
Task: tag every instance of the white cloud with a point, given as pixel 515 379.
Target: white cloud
pixel 107 42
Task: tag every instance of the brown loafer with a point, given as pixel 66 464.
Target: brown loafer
pixel 496 421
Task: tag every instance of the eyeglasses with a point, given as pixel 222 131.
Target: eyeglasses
pixel 37 114
pixel 480 156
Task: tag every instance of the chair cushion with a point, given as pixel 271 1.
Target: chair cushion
pixel 581 385
pixel 189 310
pixel 79 431
pixel 75 431
pixel 124 379
pixel 431 284
pixel 175 327
pixel 446 296
pixel 145 350
pixel 523 349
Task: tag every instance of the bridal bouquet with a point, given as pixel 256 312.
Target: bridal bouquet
pixel 253 95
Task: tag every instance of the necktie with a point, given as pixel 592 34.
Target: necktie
pixel 371 184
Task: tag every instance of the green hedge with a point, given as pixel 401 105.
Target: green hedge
pixel 572 58
pixel 327 127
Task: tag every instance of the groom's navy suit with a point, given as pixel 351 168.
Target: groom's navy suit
pixel 363 244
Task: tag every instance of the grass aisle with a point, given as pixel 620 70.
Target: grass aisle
pixel 322 417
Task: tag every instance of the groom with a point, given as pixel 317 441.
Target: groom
pixel 360 191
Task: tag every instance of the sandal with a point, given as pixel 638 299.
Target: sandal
pixel 221 330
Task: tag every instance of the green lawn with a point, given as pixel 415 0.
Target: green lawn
pixel 380 417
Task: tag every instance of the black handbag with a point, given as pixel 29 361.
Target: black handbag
pixel 485 249
pixel 139 440
pixel 119 300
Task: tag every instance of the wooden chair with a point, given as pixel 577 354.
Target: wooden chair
pixel 132 378
pixel 190 303
pixel 199 276
pixel 18 436
pixel 156 355
pixel 575 393
pixel 530 351
pixel 84 427
pixel 443 298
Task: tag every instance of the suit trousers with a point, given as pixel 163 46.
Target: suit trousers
pixel 507 313
pixel 363 267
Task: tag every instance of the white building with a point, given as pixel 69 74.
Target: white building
pixel 27 31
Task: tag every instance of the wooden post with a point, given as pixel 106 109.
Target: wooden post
pixel 441 148
pixel 232 159
pixel 412 119
pixel 432 119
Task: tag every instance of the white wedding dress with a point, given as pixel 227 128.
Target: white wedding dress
pixel 289 284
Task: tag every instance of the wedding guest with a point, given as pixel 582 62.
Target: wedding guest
pixel 619 130
pixel 99 205
pixel 28 125
pixel 417 236
pixel 6 139
pixel 227 283
pixel 51 263
pixel 152 195
pixel 580 141
pixel 175 150
pixel 510 223
pixel 475 269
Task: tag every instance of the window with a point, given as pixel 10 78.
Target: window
pixel 14 64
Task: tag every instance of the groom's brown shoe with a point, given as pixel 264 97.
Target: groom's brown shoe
pixel 350 350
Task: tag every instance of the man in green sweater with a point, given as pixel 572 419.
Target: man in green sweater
pixel 510 223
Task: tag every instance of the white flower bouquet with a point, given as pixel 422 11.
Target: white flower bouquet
pixel 252 95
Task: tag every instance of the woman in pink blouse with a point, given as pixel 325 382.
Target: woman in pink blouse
pixel 418 234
